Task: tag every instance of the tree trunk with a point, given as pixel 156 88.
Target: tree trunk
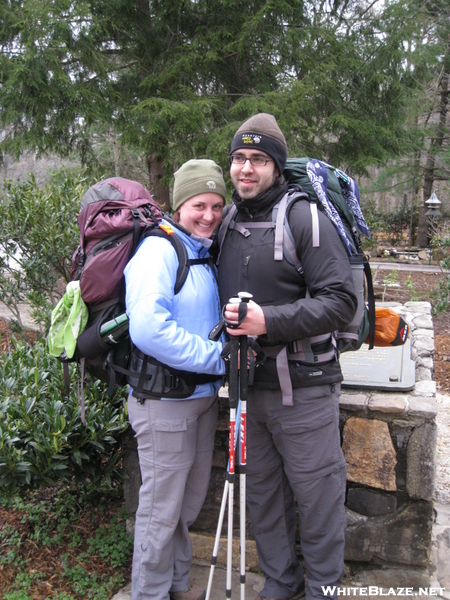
pixel 156 172
pixel 430 167
pixel 413 232
pixel 423 239
pixel 113 137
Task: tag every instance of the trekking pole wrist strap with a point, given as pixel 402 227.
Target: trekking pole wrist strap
pixel 241 315
pixel 255 356
pixel 218 329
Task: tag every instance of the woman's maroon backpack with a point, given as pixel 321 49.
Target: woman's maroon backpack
pixel 115 216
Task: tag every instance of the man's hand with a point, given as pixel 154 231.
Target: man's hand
pixel 253 324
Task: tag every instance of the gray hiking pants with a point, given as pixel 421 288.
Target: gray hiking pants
pixel 294 453
pixel 175 445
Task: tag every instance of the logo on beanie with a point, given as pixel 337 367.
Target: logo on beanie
pixel 248 138
pixel 211 184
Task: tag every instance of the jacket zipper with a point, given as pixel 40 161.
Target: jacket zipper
pixel 246 261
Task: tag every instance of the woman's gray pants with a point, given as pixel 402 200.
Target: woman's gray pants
pixel 175 445
pixel 294 453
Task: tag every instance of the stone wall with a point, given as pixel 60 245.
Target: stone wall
pixel 389 441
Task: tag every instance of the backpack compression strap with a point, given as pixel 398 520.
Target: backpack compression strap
pixel 371 303
pixel 138 216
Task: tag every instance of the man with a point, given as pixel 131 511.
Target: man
pixel 293 442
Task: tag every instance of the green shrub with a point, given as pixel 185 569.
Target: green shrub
pixel 441 300
pixel 391 278
pixel 38 234
pixel 42 438
pixel 445 263
pixel 409 284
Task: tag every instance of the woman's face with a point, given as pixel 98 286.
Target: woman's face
pixel 201 214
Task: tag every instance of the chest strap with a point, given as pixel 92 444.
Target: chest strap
pixel 300 350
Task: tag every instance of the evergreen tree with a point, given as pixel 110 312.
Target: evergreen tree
pixel 175 78
pixel 435 120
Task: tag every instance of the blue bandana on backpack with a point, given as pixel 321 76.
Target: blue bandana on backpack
pixel 318 175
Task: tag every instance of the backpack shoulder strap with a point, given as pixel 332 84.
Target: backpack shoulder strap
pixel 183 260
pixel 231 213
pixel 284 240
pixel 279 228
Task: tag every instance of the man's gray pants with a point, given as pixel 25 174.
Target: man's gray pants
pixel 294 453
pixel 175 445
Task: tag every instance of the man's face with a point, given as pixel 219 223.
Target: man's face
pixel 250 180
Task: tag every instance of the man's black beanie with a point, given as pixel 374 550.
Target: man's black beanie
pixel 261 132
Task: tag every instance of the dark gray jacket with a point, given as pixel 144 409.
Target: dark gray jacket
pixel 247 264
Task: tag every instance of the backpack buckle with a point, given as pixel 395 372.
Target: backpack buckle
pixel 171 380
pixel 79 258
pixel 149 213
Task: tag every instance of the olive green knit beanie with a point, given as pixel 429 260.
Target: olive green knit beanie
pixel 197 176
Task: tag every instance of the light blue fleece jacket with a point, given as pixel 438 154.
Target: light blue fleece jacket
pixel 174 328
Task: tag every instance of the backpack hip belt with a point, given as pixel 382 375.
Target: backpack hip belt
pixel 300 350
pixel 153 380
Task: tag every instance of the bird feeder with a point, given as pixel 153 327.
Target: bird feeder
pixel 433 204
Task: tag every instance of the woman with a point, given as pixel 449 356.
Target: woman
pixel 175 436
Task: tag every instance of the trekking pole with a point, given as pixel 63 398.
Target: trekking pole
pixel 228 492
pixel 242 474
pixel 217 539
pixel 243 385
pixel 225 497
pixel 219 529
pixel 233 401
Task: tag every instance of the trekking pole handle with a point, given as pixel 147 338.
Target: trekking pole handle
pixel 245 297
pixel 218 329
pixel 233 381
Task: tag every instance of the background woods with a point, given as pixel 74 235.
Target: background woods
pixel 140 87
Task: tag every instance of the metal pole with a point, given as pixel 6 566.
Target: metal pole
pixel 233 398
pixel 217 539
pixel 243 381
pixel 238 384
